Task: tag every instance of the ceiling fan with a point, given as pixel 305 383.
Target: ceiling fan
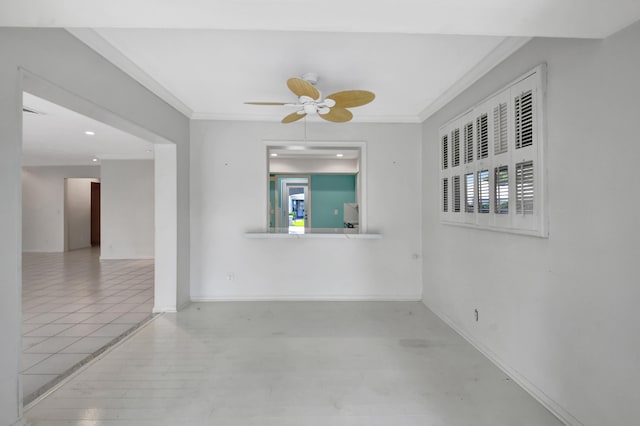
pixel 332 108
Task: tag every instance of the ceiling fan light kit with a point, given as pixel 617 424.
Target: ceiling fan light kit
pixel 333 108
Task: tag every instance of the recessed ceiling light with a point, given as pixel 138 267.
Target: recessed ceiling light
pixel 339 155
pixel 273 154
pixel 89 132
pixel 95 160
pixel 148 150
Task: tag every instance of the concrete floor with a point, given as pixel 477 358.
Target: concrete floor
pixel 293 363
pixel 73 306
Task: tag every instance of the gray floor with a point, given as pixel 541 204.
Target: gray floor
pixel 293 363
pixel 73 306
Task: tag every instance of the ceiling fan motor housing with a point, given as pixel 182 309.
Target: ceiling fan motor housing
pixel 311 77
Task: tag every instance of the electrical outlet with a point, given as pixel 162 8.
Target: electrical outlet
pixel 230 276
pixel 336 212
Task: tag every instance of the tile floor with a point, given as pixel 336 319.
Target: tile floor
pixel 73 306
pixel 293 363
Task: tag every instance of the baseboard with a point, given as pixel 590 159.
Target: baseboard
pixel 551 405
pixel 128 258
pixel 160 309
pixel 298 298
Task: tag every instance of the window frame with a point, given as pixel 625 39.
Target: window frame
pixel 295 145
pixel 534 224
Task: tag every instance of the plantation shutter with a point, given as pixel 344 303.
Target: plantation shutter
pixel 468 142
pixel 500 142
pixel 524 119
pixel 482 129
pixel 483 191
pixel 455 140
pixel 445 152
pixel 468 192
pixel 456 194
pixel 524 188
pixel 501 191
pixel 492 161
pixel 445 195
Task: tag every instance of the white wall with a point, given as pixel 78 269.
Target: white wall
pixel 43 208
pixel 561 314
pixel 229 198
pixel 298 165
pixel 62 64
pixel 127 209
pixel 78 213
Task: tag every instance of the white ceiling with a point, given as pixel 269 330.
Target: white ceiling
pixel 213 72
pixel 207 57
pixel 547 18
pixel 57 137
pixel 314 152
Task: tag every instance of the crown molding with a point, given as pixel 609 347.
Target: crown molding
pixel 98 43
pixel 505 49
pixel 411 119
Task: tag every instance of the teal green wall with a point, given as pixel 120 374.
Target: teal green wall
pixel 330 192
pixel 272 200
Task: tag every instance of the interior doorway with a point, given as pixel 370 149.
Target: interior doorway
pixel 75 304
pixel 79 215
pixel 293 203
pixel 95 214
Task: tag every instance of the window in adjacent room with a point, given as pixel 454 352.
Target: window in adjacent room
pixel 314 188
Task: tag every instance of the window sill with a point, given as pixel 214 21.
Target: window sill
pixel 337 233
pixel 505 230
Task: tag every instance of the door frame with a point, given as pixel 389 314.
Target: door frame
pixel 307 198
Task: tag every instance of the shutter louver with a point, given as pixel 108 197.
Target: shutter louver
pixel 500 142
pixel 445 152
pixel 524 119
pixel 445 194
pixel 468 192
pixel 501 193
pixel 456 194
pixel 468 142
pixel 482 128
pixel 524 188
pixel 455 140
pixel 483 191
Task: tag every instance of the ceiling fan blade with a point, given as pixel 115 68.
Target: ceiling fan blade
pixel 302 88
pixel 266 103
pixel 337 115
pixel 294 116
pixel 352 98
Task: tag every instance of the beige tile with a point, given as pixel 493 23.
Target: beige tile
pixel 29 360
pixel 47 330
pixel 87 345
pixel 131 318
pixel 111 330
pixel 80 330
pixel 103 318
pixel 56 364
pixel 28 342
pixel 51 345
pixel 61 293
